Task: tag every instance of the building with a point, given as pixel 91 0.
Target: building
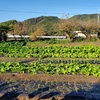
pixel 79 34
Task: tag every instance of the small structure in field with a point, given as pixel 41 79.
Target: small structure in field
pixel 94 35
pixel 79 34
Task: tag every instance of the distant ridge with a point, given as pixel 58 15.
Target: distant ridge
pixel 85 17
pixel 42 20
pixel 51 19
pixel 9 22
pixel 33 21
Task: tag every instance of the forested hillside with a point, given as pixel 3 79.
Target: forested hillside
pixel 28 26
pixel 86 17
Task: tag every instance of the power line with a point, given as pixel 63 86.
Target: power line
pixel 33 12
pixel 16 11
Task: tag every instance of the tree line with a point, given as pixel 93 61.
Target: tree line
pixel 49 26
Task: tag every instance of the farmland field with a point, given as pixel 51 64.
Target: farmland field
pixel 50 70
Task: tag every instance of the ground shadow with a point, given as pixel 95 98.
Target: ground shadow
pixel 79 96
pixel 10 96
pixel 72 97
pixel 3 85
pixel 49 95
pixel 39 91
pixel 50 92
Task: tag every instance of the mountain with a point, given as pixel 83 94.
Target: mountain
pixel 42 20
pixel 85 17
pixel 28 26
pixel 34 21
pixel 9 22
pixel 50 19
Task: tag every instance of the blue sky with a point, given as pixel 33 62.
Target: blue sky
pixel 21 10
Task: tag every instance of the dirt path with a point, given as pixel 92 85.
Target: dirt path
pixel 44 77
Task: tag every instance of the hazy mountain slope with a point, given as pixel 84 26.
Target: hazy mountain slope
pixel 85 17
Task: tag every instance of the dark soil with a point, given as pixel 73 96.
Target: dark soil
pixel 14 86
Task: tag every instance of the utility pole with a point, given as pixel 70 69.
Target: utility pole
pixel 98 30
pixel 65 16
pixel 98 21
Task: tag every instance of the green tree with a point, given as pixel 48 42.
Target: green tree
pixel 3 32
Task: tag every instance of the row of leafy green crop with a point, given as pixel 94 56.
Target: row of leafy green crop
pixel 34 67
pixel 58 61
pixel 18 50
